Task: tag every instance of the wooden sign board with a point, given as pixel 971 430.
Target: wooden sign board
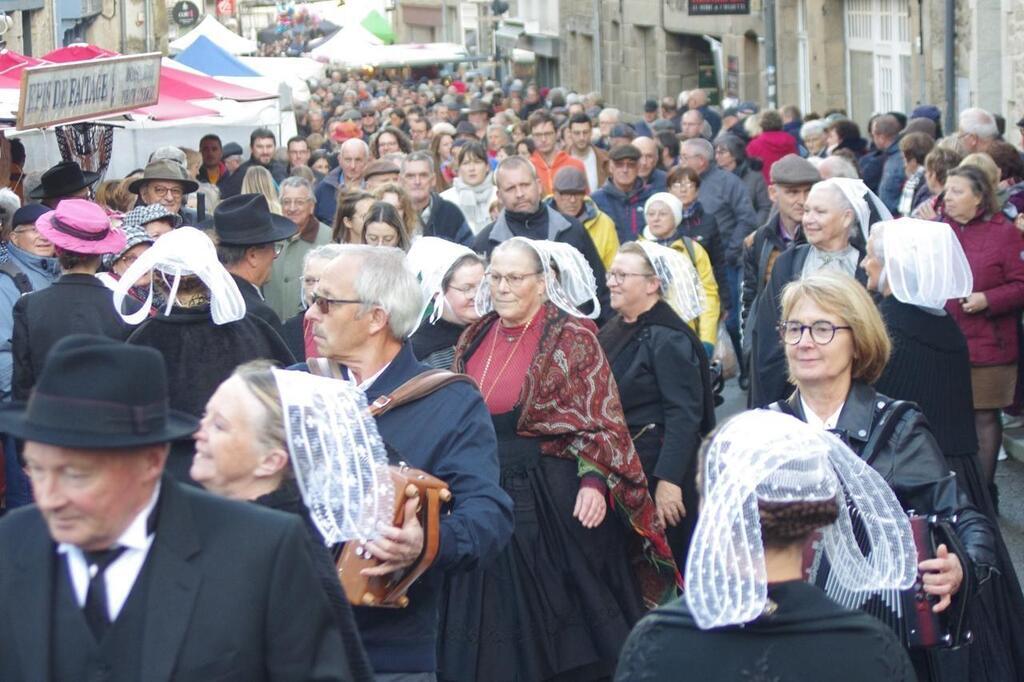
pixel 76 91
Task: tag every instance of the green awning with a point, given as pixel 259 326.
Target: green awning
pixel 379 26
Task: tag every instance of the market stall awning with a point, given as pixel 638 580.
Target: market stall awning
pixel 218 33
pixel 212 59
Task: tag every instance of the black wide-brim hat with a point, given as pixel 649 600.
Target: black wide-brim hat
pixel 97 393
pixel 62 180
pixel 246 220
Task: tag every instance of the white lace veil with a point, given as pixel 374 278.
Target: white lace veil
pixel 767 456
pixel 569 278
pixel 923 262
pixel 337 454
pixel 680 284
pixel 179 253
pixel 858 195
pixel 430 259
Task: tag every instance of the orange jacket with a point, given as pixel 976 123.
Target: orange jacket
pixel 546 173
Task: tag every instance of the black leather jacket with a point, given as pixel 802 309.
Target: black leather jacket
pixel 913 466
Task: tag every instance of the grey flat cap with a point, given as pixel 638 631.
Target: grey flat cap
pixel 792 169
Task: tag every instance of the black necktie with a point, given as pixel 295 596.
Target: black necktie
pixel 96 612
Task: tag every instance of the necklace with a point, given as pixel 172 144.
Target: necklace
pixel 508 358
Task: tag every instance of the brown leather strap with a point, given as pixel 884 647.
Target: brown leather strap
pixel 431 545
pixel 420 386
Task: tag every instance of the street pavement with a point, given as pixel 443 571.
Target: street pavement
pixel 1009 478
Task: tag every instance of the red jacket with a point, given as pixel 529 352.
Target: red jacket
pixel 546 173
pixel 995 251
pixel 771 146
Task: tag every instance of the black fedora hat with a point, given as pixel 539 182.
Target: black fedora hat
pixel 62 180
pixel 94 392
pixel 246 220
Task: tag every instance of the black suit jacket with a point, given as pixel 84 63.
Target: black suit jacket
pixel 254 303
pixel 233 595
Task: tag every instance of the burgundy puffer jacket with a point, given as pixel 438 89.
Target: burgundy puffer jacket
pixel 995 251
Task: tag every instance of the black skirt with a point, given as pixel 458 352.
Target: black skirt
pixel 558 602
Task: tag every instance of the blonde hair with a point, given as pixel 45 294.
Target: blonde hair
pixel 258 180
pixel 410 217
pixel 841 295
pixel 986 164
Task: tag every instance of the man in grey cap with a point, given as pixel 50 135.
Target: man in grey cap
pixel 643 126
pixel 624 194
pixel 570 198
pixel 792 178
pixel 232 157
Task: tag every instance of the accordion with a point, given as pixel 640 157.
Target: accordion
pixel 907 612
pixel 389 590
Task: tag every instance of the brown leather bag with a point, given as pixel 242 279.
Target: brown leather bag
pixel 390 590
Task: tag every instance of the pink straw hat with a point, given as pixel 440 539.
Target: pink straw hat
pixel 80 226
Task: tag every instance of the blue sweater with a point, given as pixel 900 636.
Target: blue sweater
pixel 450 435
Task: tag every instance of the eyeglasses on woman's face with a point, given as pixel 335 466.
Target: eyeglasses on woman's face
pixel 619 276
pixel 514 280
pixel 822 331
pixel 468 291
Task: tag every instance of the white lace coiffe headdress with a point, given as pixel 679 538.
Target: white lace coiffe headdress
pixel 337 454
pixel 569 278
pixel 767 456
pixel 431 258
pixel 858 195
pixel 180 253
pixel 924 264
pixel 680 283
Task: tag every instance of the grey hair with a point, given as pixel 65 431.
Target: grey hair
pixel 700 146
pixel 512 162
pixel 322 252
pixel 442 128
pixel 421 157
pixel 353 142
pixel 975 121
pixel 384 280
pixel 611 111
pixel 9 204
pixel 837 167
pixel 812 128
pixel 520 247
pixel 296 181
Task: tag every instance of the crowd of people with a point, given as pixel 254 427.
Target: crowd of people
pixel 590 278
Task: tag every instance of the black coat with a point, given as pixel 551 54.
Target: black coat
pixel 232 595
pixel 808 638
pixel 200 354
pixel 254 303
pixel 74 304
pixel 232 184
pixel 758 260
pixel 447 222
pixel 768 372
pixel 288 499
pixel 702 228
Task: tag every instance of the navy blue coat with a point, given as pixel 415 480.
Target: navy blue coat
pixel 449 434
pixel 447 222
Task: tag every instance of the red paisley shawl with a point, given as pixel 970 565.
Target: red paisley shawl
pixel 571 402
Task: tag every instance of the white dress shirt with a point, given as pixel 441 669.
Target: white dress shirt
pixel 120 576
pixel 813 420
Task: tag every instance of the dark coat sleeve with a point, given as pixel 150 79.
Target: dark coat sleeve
pixel 749 290
pixel 768 372
pixel 24 377
pixel 712 243
pixel 483 244
pixel 582 241
pixel 677 373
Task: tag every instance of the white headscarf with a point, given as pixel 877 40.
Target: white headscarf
pixel 680 284
pixel 569 278
pixel 670 200
pixel 430 259
pixel 923 262
pixel 858 195
pixel 767 456
pixel 179 253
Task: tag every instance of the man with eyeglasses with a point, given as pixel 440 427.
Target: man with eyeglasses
pixel 363 310
pixel 547 158
pixel 165 182
pixel 594 159
pixel 283 291
pixel 249 239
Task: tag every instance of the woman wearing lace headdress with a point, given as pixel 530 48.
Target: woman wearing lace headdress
pixel 838 216
pixel 770 482
pixel 661 369
pixel 836 347
pixel 588 554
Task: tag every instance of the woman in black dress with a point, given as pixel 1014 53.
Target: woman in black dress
pixel 662 373
pixel 588 553
pixel 769 482
pixel 450 275
pixel 916 266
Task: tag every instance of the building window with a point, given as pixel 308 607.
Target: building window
pixel 878 47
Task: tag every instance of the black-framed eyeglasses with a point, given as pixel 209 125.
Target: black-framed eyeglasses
pixel 324 304
pixel 618 277
pixel 822 331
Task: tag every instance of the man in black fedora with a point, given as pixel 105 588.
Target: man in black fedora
pixel 119 573
pixel 166 182
pixel 249 238
pixel 66 180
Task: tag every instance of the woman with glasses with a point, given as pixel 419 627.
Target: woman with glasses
pixel 836 347
pixel 664 215
pixel 383 226
pixel 837 217
pixel 731 155
pixel 661 370
pixel 559 600
pixel 684 184
pixel 450 275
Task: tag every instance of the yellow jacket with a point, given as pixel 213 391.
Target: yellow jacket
pixel 600 227
pixel 706 325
